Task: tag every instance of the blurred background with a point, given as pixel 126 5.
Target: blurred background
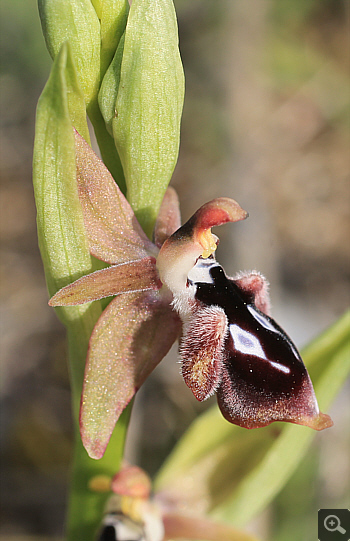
pixel 266 121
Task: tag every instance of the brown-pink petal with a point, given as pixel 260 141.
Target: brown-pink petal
pixel 131 337
pixel 115 236
pixel 169 219
pixel 127 277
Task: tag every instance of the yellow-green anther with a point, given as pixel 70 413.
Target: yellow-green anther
pixel 146 123
pixel 113 15
pixel 75 21
pixel 107 96
pixel 62 239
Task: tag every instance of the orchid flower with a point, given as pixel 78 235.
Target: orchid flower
pixel 133 513
pixel 229 346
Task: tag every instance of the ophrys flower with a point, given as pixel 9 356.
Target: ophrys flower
pixel 229 343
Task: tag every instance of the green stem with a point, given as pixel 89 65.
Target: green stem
pixel 85 507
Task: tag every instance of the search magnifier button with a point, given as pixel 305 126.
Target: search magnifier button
pixel 332 524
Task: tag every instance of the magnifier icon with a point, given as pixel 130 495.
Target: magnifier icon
pixel 332 524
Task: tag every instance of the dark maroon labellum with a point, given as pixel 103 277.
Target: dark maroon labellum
pixel 264 378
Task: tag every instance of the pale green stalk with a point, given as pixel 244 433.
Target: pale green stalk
pixel 82 37
pixel 66 256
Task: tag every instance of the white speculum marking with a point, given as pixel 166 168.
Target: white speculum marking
pixel 201 271
pixel 266 323
pixel 244 341
pixel 280 366
pixel 247 343
pixel 261 319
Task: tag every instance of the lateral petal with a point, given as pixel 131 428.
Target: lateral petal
pixel 131 337
pixel 115 236
pixel 126 277
pixel 169 219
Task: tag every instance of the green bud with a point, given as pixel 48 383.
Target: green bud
pixel 62 239
pixel 109 88
pixel 113 15
pixel 75 21
pixel 146 123
pixel 98 5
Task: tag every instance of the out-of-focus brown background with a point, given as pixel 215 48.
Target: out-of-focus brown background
pixel 266 121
